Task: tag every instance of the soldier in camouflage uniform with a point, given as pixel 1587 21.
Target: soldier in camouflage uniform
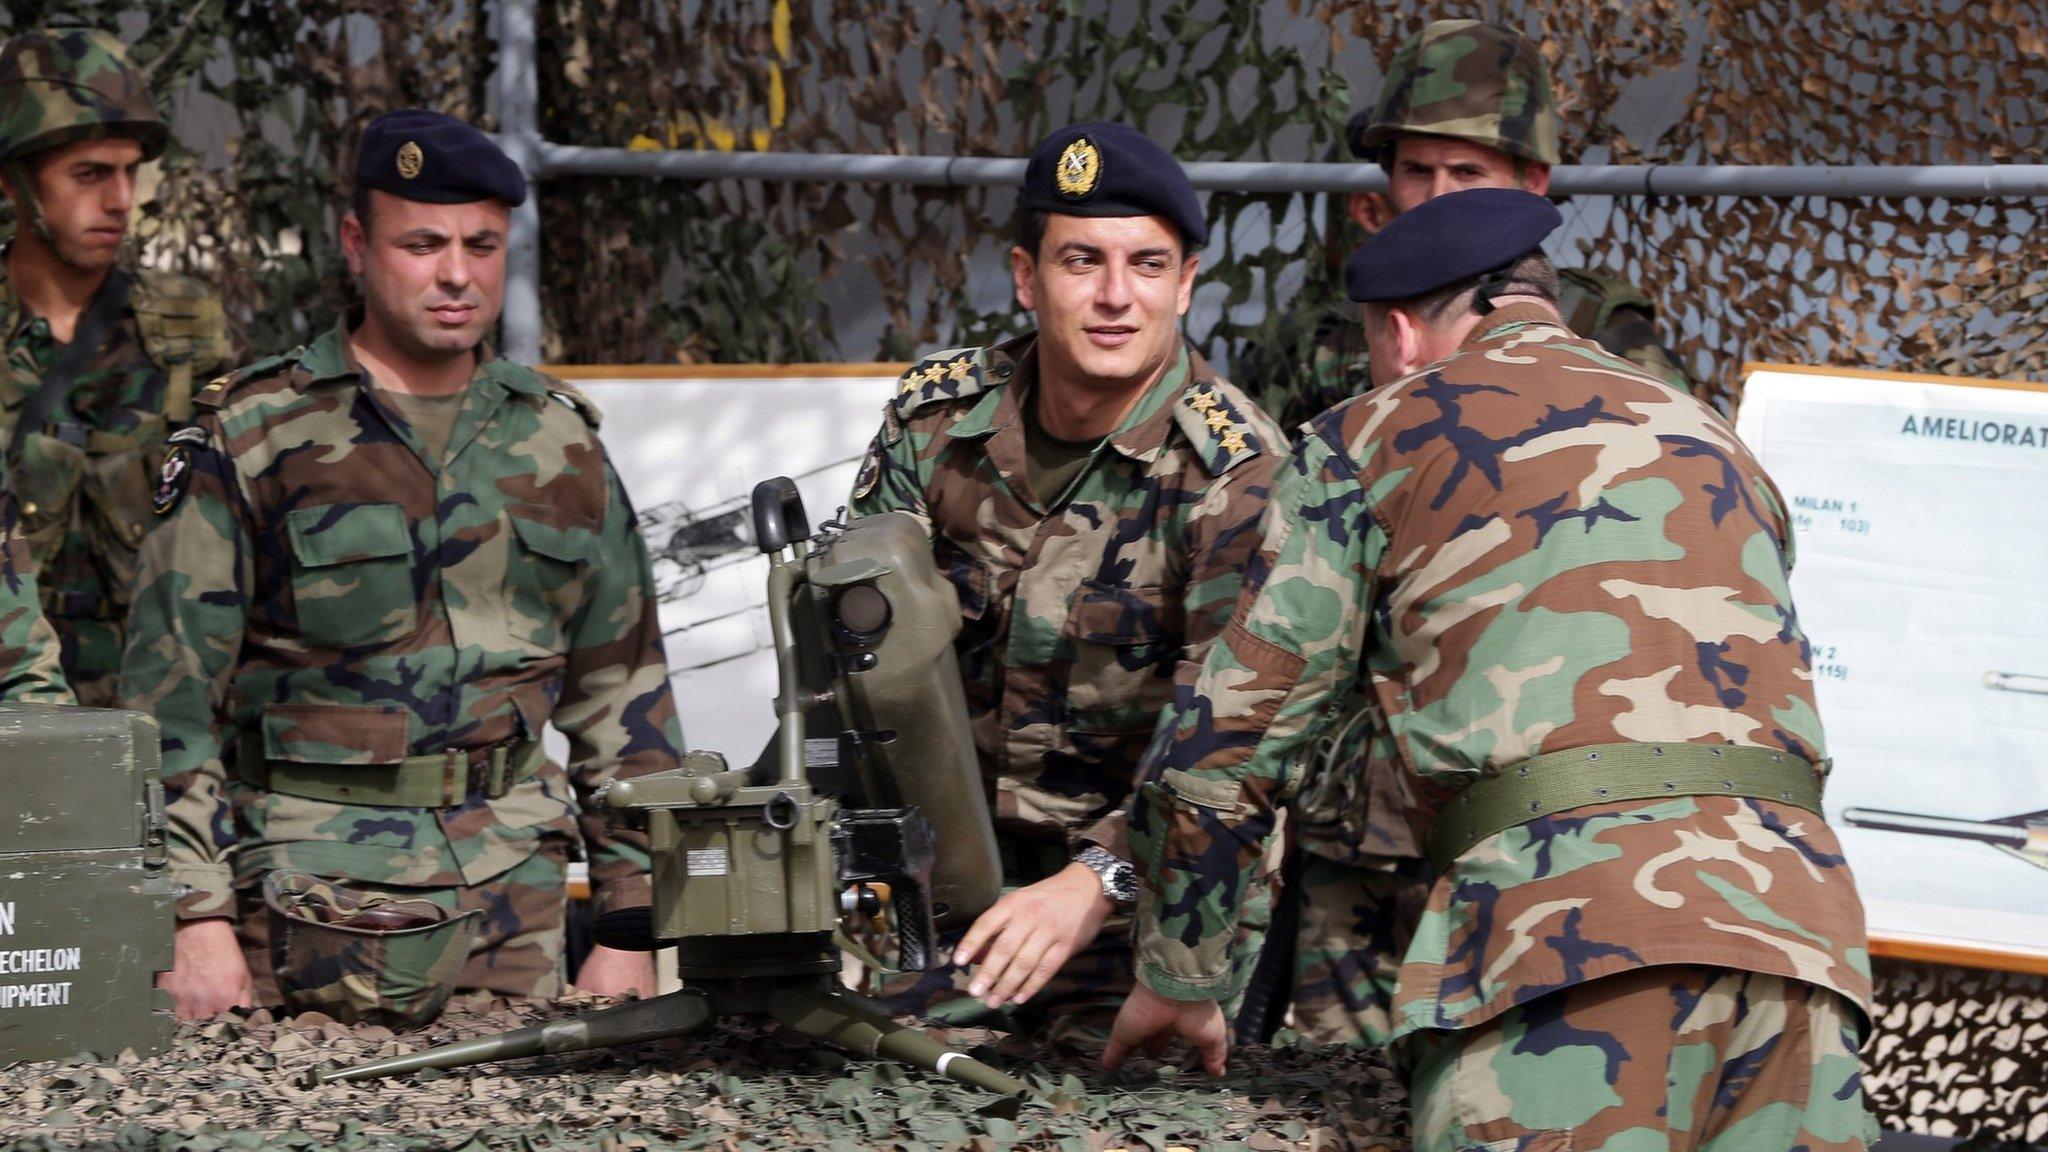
pixel 1465 105
pixel 385 562
pixel 1093 490
pixel 1565 587
pixel 76 119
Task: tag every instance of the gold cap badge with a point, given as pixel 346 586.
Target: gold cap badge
pixel 1080 168
pixel 411 160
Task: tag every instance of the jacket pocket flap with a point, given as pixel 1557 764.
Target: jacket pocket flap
pixel 1116 614
pixel 1221 795
pixel 346 533
pixel 335 733
pixel 572 545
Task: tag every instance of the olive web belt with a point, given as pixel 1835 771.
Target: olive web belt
pixel 436 780
pixel 1558 782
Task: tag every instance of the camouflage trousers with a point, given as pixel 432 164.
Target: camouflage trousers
pixel 1662 1059
pixel 1077 1006
pixel 518 947
pixel 1354 926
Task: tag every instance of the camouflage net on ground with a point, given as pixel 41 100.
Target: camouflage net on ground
pixel 230 1083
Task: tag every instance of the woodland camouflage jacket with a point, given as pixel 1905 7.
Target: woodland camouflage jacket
pixel 1080 609
pixel 327 593
pixel 1528 547
pixel 85 496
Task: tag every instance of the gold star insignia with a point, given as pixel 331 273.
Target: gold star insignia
pixel 1218 420
pixel 1233 440
pixel 960 371
pixel 1202 401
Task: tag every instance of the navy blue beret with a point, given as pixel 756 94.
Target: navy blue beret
pixel 1455 237
pixel 1106 169
pixel 422 155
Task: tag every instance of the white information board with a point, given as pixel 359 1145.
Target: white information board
pixel 690 449
pixel 1920 513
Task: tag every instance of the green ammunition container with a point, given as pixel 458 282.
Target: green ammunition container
pixel 86 903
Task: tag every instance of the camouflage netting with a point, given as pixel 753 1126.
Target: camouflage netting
pixel 269 98
pixel 230 1083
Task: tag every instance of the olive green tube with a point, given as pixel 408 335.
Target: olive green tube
pixel 838 1019
pixel 676 1014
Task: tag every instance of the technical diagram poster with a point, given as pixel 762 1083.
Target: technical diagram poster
pixel 690 450
pixel 1920 513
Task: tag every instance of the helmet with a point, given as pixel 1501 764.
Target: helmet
pixel 1467 80
pixel 363 957
pixel 62 85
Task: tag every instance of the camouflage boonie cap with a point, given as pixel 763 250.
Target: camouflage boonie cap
pixel 63 85
pixel 363 958
pixel 1470 81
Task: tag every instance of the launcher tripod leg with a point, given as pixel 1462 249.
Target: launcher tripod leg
pixel 826 1012
pixel 674 1014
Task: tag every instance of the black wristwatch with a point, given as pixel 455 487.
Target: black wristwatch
pixel 1119 879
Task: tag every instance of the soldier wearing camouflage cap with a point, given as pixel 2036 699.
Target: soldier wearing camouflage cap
pixel 384 563
pixel 1465 105
pixel 1093 490
pixel 1564 585
pixel 99 357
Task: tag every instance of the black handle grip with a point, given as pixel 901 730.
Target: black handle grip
pixel 779 519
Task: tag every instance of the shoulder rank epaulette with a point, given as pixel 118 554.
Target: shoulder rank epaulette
pixel 573 396
pixel 1217 428
pixel 218 389
pixel 949 375
pixel 1590 298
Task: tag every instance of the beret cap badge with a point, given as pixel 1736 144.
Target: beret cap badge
pixel 1079 169
pixel 411 160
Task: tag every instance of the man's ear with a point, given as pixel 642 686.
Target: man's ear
pixel 1023 275
pixel 353 241
pixel 1370 210
pixel 1408 340
pixel 1536 178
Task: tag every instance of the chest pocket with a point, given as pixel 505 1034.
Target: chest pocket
pixel 1127 642
pixel 352 574
pixel 545 581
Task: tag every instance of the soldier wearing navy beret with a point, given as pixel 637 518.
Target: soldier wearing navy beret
pixel 1518 545
pixel 1093 488
pixel 386 561
pixel 1486 242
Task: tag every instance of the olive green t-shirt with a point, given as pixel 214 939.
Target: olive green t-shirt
pixel 1052 464
pixel 432 418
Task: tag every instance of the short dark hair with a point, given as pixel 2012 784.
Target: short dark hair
pixel 1532 275
pixel 1031 232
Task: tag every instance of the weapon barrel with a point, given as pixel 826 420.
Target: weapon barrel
pixel 676 1014
pixel 2016 682
pixel 1978 830
pixel 838 1019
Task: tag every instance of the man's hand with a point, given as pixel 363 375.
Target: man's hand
pixel 208 975
pixel 616 972
pixel 1025 937
pixel 1149 1019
